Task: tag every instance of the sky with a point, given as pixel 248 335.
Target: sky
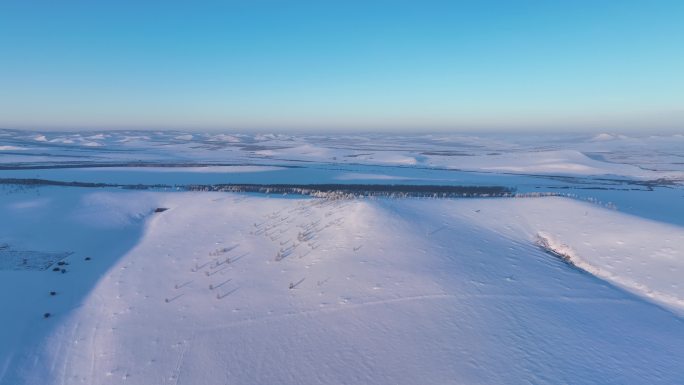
pixel 343 65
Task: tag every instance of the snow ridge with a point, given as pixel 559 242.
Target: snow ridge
pixel 570 256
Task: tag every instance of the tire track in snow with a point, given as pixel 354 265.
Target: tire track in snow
pixel 181 357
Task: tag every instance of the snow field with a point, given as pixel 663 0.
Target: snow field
pixel 244 289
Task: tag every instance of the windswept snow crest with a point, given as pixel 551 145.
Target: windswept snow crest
pixel 671 299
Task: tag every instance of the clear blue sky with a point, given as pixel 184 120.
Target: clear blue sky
pixel 332 65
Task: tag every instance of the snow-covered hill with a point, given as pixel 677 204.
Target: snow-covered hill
pixel 642 157
pixel 142 276
pixel 245 289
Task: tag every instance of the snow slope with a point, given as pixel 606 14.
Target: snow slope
pixel 643 256
pixel 226 288
pixel 58 220
pixel 559 162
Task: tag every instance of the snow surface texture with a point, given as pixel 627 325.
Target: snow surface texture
pixel 227 288
pixel 263 289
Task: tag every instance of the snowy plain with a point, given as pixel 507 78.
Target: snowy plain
pixel 263 288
